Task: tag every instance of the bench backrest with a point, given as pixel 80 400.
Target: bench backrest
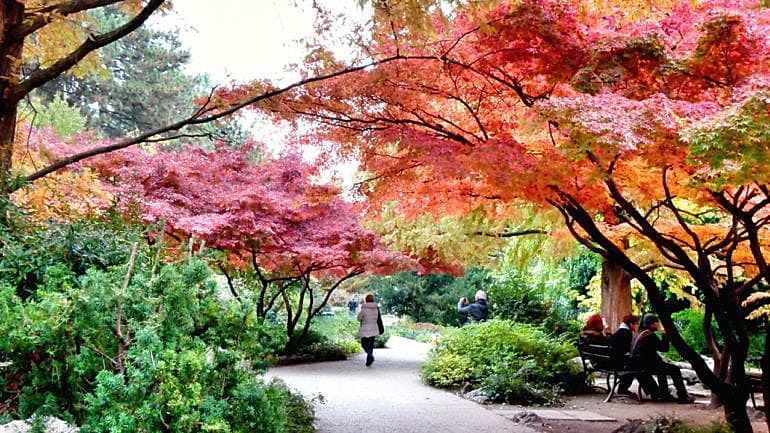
pixel 598 355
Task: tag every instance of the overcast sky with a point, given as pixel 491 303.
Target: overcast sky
pixel 242 40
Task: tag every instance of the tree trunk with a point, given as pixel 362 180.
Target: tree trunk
pixel 11 15
pixel 736 415
pixel 765 364
pixel 720 355
pixel 616 294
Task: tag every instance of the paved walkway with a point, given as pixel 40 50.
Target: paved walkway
pixel 388 397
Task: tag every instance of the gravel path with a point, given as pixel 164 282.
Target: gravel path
pixel 388 397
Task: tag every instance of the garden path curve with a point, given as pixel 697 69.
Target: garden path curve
pixel 388 397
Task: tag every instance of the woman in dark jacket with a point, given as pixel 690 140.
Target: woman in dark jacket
pixel 620 344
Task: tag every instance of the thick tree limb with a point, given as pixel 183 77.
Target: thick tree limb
pixel 196 119
pixel 35 19
pixel 93 43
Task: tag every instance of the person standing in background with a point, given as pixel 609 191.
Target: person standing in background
pixel 477 311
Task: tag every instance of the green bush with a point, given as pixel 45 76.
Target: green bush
pixel 298 412
pixel 329 339
pixel 187 362
pixel 349 346
pixel 513 362
pixel 30 257
pixel 447 370
pixel 514 297
pixel 381 341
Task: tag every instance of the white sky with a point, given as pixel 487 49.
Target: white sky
pixel 243 40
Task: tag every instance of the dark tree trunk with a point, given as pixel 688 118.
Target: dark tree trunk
pixel 766 377
pixel 616 293
pixel 736 415
pixel 726 308
pixel 11 15
pixel 720 355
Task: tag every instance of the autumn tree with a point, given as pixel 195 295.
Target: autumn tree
pixel 59 38
pixel 649 137
pixel 289 241
pixel 140 84
pixel 54 33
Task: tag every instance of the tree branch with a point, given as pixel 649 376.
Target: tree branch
pixel 35 19
pixel 92 43
pixel 506 234
pixel 195 119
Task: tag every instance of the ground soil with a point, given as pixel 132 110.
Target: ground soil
pixel 624 410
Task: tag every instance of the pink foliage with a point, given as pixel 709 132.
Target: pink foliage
pixel 236 204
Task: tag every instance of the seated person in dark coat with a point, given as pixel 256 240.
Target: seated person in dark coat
pixel 644 356
pixel 594 332
pixel 620 343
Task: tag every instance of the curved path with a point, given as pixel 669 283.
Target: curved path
pixel 388 397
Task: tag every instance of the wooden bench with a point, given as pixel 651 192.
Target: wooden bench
pixel 599 359
pixel 755 386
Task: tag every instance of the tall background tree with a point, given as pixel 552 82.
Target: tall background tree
pixel 57 37
pixel 141 84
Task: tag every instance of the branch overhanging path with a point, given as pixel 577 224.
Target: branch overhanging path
pixel 203 115
pixel 199 117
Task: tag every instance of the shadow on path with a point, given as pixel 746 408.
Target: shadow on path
pixel 388 397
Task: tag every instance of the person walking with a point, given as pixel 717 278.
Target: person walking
pixel 477 311
pixel 645 357
pixel 371 326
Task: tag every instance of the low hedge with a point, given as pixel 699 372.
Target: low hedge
pixel 511 362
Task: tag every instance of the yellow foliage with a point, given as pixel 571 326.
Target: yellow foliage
pixel 64 34
pixel 62 196
pixel 58 39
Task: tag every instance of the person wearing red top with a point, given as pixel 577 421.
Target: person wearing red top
pixel 595 331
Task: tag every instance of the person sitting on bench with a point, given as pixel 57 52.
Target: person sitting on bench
pixel 594 331
pixel 645 357
pixel 620 343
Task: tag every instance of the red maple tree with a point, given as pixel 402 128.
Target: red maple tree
pixel 297 239
pixel 646 134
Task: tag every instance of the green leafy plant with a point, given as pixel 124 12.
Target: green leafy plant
pixel 513 362
pixel 516 297
pixel 447 370
pixel 135 346
pixel 381 341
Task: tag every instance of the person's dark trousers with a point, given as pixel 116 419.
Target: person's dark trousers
pixel 666 369
pixel 625 382
pixel 368 344
pixel 648 384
